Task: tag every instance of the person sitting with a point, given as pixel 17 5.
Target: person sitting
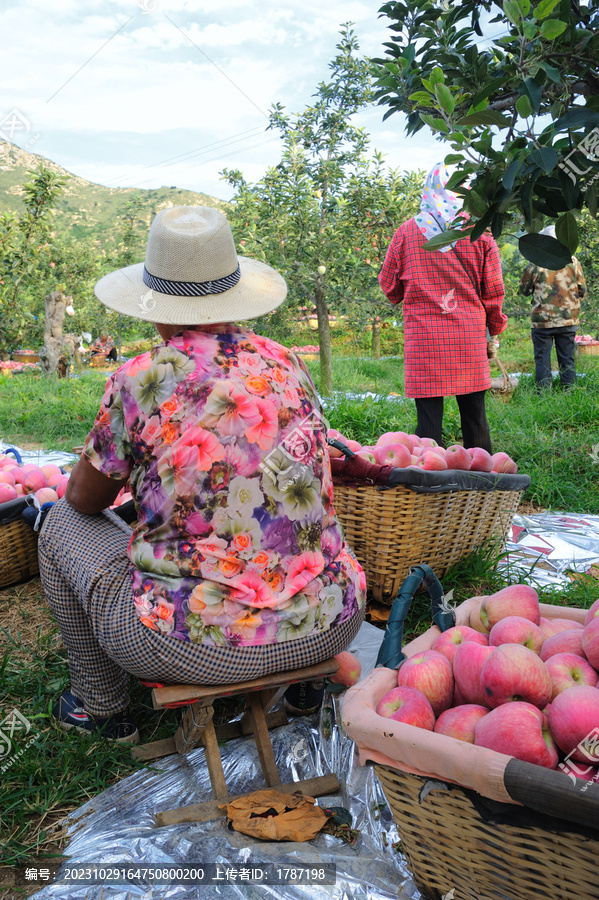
pixel 103 346
pixel 237 566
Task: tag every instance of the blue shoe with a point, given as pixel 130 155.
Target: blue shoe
pixel 69 713
pixel 303 698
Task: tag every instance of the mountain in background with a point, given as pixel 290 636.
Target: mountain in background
pixel 85 209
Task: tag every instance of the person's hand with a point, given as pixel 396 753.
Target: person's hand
pixel 492 349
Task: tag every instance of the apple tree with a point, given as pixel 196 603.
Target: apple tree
pixel 25 238
pixel 294 218
pixel 519 109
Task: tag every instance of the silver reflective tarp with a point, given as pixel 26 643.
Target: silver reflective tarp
pixel 117 827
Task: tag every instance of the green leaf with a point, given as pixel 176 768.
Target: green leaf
pixel 434 123
pixel 581 117
pixel 524 6
pixel 534 90
pixel 530 30
pixel 552 28
pixel 523 106
pixel 445 98
pixel 475 203
pixel 551 72
pixel 566 231
pixel 544 251
pixel 453 159
pixel 512 11
pixel 446 238
pixel 510 173
pixel 545 157
pixel 485 117
pixel 545 8
pixel 421 97
pixel 437 76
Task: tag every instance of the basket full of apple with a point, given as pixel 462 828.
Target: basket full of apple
pixel 405 500
pixel 485 738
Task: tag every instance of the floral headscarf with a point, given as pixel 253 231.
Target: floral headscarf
pixel 438 205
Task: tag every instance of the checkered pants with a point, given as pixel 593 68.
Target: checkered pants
pixel 84 570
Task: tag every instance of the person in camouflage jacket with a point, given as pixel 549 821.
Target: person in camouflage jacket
pixel 556 297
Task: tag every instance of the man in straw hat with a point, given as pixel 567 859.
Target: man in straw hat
pixel 236 567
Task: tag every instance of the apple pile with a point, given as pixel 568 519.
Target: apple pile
pixel 511 681
pixel 408 451
pixel 47 483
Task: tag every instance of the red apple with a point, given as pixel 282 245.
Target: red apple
pixel 481 460
pixel 433 461
pixel 458 700
pixel 429 672
pixel 516 630
pixel 448 642
pixel 7 477
pixel 590 642
pixel 515 600
pixel 468 663
pixel 46 495
pixel 368 455
pixel 428 442
pixel 406 704
pixel 567 670
pixel 593 612
pixel 460 721
pixel 503 463
pixel 563 642
pixel 353 445
pixel 17 473
pixel 50 469
pixel 513 672
pixel 395 454
pixel 349 671
pixel 34 480
pixel 574 717
pixel 7 492
pixel 476 622
pixel 518 729
pixel 396 437
pixel 457 457
pixel 549 627
pixel 61 486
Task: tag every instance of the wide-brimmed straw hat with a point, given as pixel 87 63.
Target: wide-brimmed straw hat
pixel 192 274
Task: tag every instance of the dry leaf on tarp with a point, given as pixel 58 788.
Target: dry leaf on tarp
pixel 275 816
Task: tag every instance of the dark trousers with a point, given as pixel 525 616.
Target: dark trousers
pixel 473 419
pixel 565 348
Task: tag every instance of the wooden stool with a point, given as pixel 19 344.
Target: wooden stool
pixel 198 728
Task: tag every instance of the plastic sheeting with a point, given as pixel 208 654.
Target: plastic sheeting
pixel 543 547
pixel 42 457
pixel 117 827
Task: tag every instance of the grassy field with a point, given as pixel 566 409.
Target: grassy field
pixel 551 437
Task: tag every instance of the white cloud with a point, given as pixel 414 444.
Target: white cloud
pixel 124 100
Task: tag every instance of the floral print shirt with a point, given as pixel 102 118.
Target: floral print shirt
pixel 223 443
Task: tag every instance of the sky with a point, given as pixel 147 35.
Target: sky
pixel 146 93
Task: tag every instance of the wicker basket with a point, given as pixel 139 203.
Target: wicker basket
pixel 452 840
pixel 589 349
pixel 392 530
pixel 18 546
pixel 473 821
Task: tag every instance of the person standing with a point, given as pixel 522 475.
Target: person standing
pixel 554 316
pixel 452 306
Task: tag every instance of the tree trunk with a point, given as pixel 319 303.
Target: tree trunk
pixel 55 312
pixel 376 337
pixel 324 340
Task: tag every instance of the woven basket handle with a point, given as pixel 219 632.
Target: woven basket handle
pixel 390 653
pixel 15 453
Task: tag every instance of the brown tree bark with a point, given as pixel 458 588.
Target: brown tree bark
pixel 376 337
pixel 324 339
pixel 58 348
